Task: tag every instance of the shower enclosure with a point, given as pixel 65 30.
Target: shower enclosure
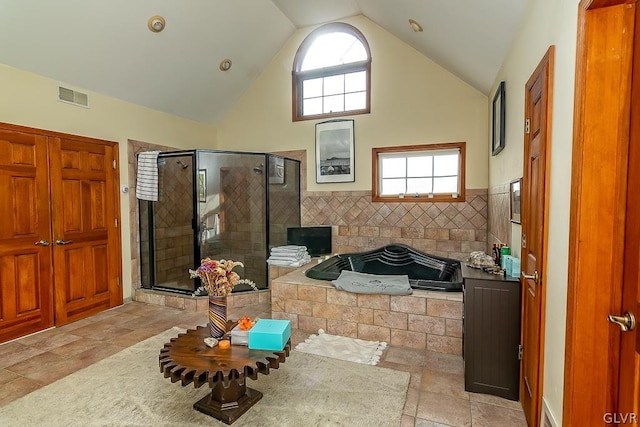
pixel 217 204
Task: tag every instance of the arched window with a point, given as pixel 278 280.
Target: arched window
pixel 332 73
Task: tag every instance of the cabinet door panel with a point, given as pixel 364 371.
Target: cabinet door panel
pixel 491 336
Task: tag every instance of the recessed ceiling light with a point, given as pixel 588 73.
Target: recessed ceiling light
pixel 415 26
pixel 225 65
pixel 156 23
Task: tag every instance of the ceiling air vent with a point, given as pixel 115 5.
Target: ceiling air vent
pixel 73 97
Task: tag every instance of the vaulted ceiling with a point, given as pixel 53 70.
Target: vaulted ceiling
pixel 106 47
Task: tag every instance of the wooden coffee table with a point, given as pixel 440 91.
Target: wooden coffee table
pixel 188 360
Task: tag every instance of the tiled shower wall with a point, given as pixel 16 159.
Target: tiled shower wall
pixel 133 148
pixel 173 229
pixel 242 207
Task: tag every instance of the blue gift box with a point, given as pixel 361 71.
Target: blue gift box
pixel 512 265
pixel 269 334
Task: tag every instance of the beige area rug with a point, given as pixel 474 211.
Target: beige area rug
pixel 127 389
pixel 343 348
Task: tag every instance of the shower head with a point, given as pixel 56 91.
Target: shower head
pixel 258 169
pixel 181 163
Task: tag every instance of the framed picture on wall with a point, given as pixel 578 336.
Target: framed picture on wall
pixel 497 121
pixel 515 200
pixel 202 185
pixel 335 151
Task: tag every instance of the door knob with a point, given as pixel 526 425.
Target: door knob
pixel 626 322
pixel 533 276
pixel 42 243
pixel 63 242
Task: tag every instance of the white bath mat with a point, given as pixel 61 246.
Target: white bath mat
pixel 343 348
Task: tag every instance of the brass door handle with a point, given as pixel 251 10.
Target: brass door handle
pixel 42 243
pixel 63 242
pixel 626 322
pixel 533 276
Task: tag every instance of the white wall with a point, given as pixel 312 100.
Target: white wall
pixel 547 22
pixel 31 100
pixel 413 101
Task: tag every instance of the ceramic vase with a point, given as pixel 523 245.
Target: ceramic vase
pixel 217 316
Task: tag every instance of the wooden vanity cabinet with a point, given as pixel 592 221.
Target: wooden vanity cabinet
pixel 491 333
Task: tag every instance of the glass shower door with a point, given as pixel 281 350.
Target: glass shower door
pixel 231 199
pixel 169 224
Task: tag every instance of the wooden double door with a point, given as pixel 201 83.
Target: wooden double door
pixel 60 251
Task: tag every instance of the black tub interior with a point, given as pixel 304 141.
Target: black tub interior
pixel 424 271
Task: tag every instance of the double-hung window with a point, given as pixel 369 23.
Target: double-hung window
pixel 419 173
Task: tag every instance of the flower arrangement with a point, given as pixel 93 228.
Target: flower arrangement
pixel 217 277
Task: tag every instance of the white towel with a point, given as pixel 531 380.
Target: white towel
pixel 288 249
pixel 296 252
pixel 282 263
pixel 285 258
pixel 147 176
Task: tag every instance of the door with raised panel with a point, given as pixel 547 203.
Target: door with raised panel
pixel 25 257
pixel 535 190
pixel 86 242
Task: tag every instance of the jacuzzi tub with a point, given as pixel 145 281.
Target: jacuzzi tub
pixel 425 271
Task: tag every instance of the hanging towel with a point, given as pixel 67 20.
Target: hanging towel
pixel 147 176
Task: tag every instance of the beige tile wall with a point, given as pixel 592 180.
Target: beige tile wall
pixel 133 148
pixel 425 320
pixel 445 229
pixel 242 210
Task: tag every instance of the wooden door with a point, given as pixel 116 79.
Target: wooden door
pixel 534 196
pixel 601 362
pixel 25 258
pixel 86 244
pixel 629 379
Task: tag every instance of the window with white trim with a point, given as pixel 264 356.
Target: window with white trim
pixel 332 74
pixel 419 173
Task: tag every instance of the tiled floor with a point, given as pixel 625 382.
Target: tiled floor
pixel 436 395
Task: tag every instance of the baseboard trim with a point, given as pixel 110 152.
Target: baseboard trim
pixel 548 420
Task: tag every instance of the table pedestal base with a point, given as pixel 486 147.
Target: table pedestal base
pixel 228 412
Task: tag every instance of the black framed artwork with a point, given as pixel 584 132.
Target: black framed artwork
pixel 335 151
pixel 497 120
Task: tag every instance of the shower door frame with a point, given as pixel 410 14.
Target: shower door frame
pixel 150 219
pixel 195 222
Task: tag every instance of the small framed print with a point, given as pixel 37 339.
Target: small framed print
pixel 515 199
pixel 202 185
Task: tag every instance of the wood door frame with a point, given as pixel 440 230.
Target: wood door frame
pixel 600 143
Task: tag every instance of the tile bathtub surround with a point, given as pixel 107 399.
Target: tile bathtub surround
pixel 451 230
pixel 189 303
pixel 425 320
